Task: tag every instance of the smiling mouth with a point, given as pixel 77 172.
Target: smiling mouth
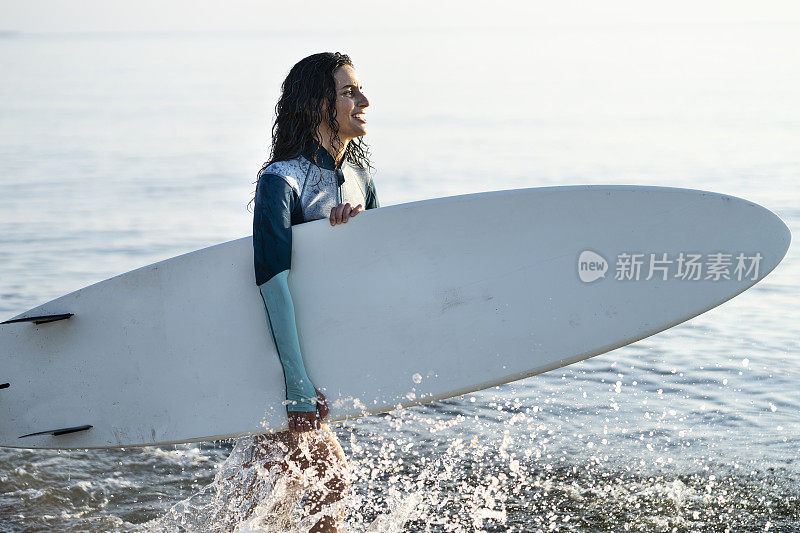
pixel 360 117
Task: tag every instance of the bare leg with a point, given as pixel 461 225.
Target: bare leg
pixel 313 458
pixel 330 482
pixel 255 473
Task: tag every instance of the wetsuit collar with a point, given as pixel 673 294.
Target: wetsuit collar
pixel 324 158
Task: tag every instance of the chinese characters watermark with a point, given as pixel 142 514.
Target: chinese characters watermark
pixel 686 266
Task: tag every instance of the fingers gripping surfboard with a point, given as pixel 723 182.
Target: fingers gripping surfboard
pixel 450 295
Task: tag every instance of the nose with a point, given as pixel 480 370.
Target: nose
pixel 363 102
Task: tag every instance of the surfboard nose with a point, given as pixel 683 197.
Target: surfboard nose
pixel 771 233
pixel 782 233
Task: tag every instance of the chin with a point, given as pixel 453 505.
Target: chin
pixel 359 130
pixel 357 134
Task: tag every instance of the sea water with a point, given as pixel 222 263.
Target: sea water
pixel 118 150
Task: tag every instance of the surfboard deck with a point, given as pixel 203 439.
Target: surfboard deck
pixel 414 303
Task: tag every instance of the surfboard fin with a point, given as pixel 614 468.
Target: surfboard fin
pixel 42 319
pixel 57 432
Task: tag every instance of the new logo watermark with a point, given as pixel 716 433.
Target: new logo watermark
pixel 591 266
pixel 686 266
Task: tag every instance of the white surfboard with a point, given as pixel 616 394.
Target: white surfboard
pixel 402 305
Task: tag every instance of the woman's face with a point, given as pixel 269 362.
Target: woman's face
pixel 350 104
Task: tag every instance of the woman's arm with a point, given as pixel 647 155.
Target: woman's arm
pixel 275 202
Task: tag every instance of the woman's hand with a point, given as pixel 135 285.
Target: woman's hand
pixel 342 212
pixel 322 405
pixel 300 421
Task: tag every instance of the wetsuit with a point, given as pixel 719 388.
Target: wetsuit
pixel 288 193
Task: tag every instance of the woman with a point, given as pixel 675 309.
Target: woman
pixel 318 168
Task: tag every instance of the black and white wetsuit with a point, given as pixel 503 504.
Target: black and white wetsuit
pixel 288 193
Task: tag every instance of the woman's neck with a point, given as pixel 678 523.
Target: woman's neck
pixel 336 152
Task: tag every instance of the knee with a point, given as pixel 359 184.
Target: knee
pixel 332 488
pixel 337 487
pixel 328 490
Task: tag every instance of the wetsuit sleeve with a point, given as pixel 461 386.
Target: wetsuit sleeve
pixel 372 196
pixel 272 247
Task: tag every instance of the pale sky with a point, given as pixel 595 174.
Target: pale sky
pixel 358 15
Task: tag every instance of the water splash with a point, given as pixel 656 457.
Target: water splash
pixel 261 485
